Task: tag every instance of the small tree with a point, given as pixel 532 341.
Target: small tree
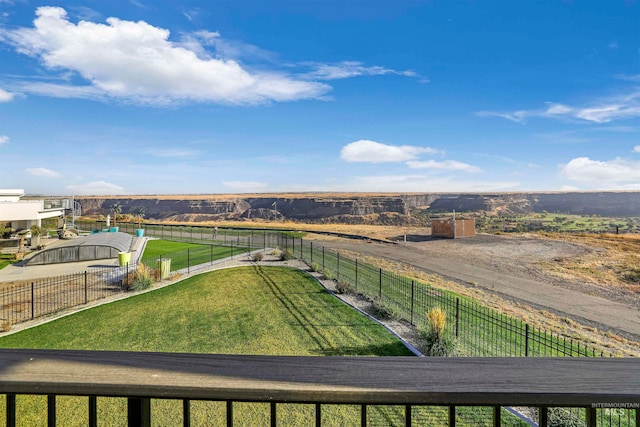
pixel 116 209
pixel 139 212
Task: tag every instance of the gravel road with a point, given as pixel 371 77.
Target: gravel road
pixel 505 265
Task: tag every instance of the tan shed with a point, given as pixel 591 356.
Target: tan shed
pixel 453 228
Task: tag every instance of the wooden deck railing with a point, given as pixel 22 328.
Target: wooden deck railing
pixel 407 381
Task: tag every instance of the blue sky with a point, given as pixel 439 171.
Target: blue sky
pixel 155 97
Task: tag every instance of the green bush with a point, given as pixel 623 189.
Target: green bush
pixel 143 278
pixel 314 266
pixel 257 257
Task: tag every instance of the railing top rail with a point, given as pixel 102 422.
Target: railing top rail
pixel 357 380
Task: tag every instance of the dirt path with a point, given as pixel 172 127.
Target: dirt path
pixel 505 268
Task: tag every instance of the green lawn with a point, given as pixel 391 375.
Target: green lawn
pixel 225 311
pixel 183 254
pixel 7 259
pixel 247 310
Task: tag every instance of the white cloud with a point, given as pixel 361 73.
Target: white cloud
pixel 604 173
pixel 375 152
pixel 599 111
pixel 44 172
pixel 136 62
pixel 516 116
pixel 636 149
pixel 347 69
pixel 5 96
pixel 628 77
pixel 95 188
pixel 4 139
pixel 245 185
pixel 450 165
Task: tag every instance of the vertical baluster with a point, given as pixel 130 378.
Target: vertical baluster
pixel 93 411
pixel 186 413
pixel 274 415
pixel 229 413
pixel 318 415
pixel 10 410
pixel 51 410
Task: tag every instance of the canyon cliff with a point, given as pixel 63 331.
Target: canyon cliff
pixel 362 208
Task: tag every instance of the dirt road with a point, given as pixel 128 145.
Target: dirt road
pixel 505 266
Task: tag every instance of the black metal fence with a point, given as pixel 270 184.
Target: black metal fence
pixel 248 237
pixel 41 297
pixel 480 330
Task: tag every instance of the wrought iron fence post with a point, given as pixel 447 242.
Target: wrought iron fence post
pixel 356 273
pixel 413 286
pixel 380 289
pixel 526 340
pixel 457 317
pixel 188 261
pixel 126 277
pixel 32 302
pixel 323 259
pixel 85 287
pixel 311 253
pixel 338 268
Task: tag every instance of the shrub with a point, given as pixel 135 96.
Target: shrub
pixel 438 341
pixel 143 278
pixel 257 257
pixel 561 417
pixel 286 255
pixel 343 288
pixel 314 266
pixel 381 310
pixel 5 326
pixel 632 275
pixel 276 252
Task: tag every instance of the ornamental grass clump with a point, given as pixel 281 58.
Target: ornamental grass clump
pixel 286 255
pixel 438 340
pixel 143 278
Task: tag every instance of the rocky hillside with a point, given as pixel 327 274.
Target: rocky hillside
pixel 614 204
pixel 362 208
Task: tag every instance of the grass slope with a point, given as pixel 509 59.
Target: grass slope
pixel 226 311
pixel 248 310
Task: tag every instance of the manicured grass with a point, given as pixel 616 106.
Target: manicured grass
pixel 247 310
pixel 6 259
pixel 226 311
pixel 183 254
